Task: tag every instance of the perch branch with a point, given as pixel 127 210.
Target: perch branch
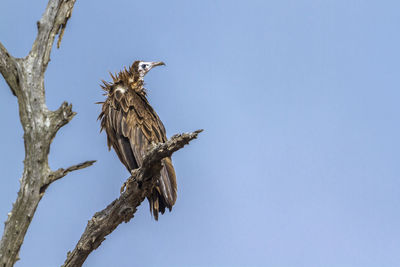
pixel 136 188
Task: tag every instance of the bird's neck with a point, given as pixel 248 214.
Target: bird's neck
pixel 138 87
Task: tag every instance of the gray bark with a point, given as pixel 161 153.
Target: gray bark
pixel 25 77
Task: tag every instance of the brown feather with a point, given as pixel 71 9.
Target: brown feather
pixel 132 126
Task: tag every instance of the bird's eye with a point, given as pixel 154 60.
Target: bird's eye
pixel 144 66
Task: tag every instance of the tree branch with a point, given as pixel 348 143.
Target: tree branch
pixel 135 189
pixel 59 118
pixel 9 69
pixel 53 21
pixel 60 173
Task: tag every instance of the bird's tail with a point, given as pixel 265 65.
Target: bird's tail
pixel 164 193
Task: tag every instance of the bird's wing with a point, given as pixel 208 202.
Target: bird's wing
pixel 112 121
pixel 132 125
pixel 149 129
pixel 140 125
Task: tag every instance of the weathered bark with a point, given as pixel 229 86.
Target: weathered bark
pixel 133 193
pixel 25 77
pixel 8 68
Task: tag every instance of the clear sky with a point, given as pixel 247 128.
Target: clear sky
pixel 299 161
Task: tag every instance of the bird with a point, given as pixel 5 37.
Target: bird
pixel 132 125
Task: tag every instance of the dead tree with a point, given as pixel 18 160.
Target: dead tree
pixel 25 77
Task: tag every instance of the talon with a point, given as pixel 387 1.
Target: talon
pixel 123 188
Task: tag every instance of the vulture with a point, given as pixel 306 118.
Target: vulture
pixel 132 125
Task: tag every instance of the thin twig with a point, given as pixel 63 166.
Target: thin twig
pixel 60 173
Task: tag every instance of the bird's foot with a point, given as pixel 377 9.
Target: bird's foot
pixel 131 179
pixel 122 188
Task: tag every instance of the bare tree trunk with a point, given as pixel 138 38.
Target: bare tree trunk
pixel 25 77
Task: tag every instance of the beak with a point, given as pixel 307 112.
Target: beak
pixel 155 64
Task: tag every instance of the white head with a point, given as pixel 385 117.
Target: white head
pixel 143 67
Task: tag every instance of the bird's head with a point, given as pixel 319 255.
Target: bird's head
pixel 141 68
pixel 133 77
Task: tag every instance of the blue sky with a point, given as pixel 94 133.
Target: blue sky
pixel 299 161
